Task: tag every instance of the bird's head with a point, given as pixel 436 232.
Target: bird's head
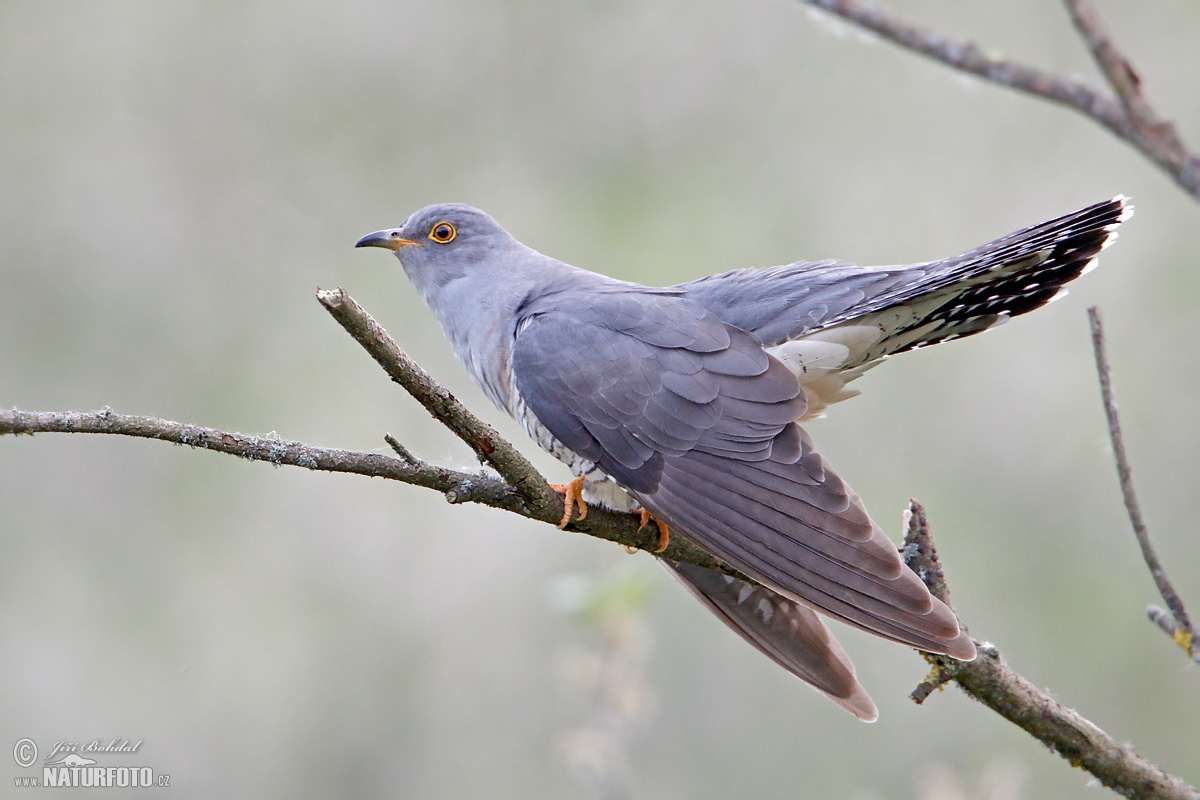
pixel 444 242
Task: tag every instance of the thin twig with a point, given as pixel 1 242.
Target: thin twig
pixel 992 682
pixel 921 555
pixel 965 56
pixel 401 450
pixel 1185 635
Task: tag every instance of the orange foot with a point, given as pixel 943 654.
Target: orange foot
pixel 664 536
pixel 572 494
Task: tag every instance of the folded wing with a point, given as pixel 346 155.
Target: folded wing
pixel 695 420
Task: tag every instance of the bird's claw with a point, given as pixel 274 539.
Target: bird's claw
pixel 664 535
pixel 572 493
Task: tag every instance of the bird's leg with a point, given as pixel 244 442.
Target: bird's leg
pixel 664 536
pixel 572 493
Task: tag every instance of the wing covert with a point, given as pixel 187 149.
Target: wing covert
pixel 627 380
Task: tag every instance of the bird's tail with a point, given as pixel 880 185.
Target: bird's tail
pixel 788 633
pixel 981 288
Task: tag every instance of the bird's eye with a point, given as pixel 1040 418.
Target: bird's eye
pixel 443 233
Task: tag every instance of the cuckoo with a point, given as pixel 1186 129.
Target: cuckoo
pixel 684 402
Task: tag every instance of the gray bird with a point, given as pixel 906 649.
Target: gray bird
pixel 683 402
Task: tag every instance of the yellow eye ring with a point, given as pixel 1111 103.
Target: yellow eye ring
pixel 443 233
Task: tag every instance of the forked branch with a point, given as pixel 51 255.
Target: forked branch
pixel 992 682
pixel 521 489
pixel 1126 113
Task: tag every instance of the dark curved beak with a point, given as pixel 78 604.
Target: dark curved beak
pixel 391 239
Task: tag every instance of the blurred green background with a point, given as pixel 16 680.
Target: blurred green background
pixel 177 179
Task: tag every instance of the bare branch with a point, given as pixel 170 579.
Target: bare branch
pixel 255 448
pixel 987 678
pixel 992 682
pixel 1157 141
pixel 457 486
pixel 1182 631
pixel 479 436
pixel 524 480
pixel 921 555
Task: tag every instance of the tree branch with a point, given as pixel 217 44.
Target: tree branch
pixel 484 489
pixel 491 448
pixel 987 678
pixel 992 682
pixel 1129 117
pixel 1157 137
pixel 457 486
pixel 1179 626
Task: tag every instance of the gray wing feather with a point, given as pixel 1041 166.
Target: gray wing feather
pixel 729 527
pixel 704 438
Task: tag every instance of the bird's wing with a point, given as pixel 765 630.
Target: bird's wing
pixel 788 633
pixel 695 420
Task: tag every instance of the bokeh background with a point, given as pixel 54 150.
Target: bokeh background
pixel 176 179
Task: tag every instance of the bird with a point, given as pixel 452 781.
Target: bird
pixel 684 403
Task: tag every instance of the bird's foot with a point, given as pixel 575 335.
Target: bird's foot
pixel 664 535
pixel 572 493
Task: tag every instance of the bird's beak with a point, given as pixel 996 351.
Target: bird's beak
pixel 391 239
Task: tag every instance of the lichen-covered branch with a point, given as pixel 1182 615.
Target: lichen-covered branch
pixel 1128 115
pixel 1179 627
pixel 992 682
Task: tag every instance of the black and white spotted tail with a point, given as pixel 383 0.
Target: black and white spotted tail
pixel 1005 278
pixel 863 315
